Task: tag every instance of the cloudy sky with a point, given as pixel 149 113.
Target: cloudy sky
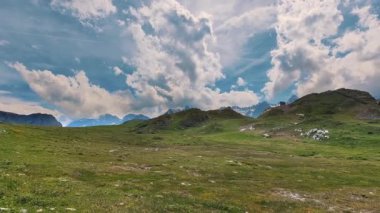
pixel 84 58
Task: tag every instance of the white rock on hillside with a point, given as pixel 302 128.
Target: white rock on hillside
pixel 247 128
pixel 315 134
pixel 266 135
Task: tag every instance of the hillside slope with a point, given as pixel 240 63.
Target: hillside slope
pixel 114 169
pixel 187 119
pixel 353 103
pixel 33 119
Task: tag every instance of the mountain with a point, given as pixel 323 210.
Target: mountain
pixel 292 99
pixel 33 119
pixel 353 103
pixel 135 117
pixel 176 110
pixel 187 119
pixel 103 120
pixel 106 120
pixel 253 111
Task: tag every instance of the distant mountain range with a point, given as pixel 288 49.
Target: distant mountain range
pixel 107 120
pixel 353 102
pixel 33 119
pixel 256 111
pixel 292 99
pixel 253 111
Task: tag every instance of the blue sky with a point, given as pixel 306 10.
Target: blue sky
pixel 84 58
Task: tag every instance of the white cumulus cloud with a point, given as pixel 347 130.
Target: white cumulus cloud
pixel 241 82
pixel 117 71
pixel 174 65
pixel 305 61
pixel 86 9
pixel 75 96
pixel 235 22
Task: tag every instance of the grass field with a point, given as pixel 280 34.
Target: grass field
pixel 210 168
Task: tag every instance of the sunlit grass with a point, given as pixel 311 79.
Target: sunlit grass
pixel 209 168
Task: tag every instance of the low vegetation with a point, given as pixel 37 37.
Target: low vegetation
pixel 194 161
pixel 210 167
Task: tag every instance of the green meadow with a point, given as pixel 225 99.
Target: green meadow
pixel 212 167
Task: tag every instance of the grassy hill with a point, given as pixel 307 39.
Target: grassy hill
pixel 354 103
pixel 195 161
pixel 190 118
pixel 332 110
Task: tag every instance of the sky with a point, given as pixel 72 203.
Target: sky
pixel 85 58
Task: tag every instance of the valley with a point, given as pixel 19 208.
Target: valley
pixel 193 106
pixel 176 163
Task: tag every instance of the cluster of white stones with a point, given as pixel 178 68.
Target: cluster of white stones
pixel 266 135
pixel 315 134
pixel 245 129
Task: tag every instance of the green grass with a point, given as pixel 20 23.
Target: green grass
pixel 209 168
